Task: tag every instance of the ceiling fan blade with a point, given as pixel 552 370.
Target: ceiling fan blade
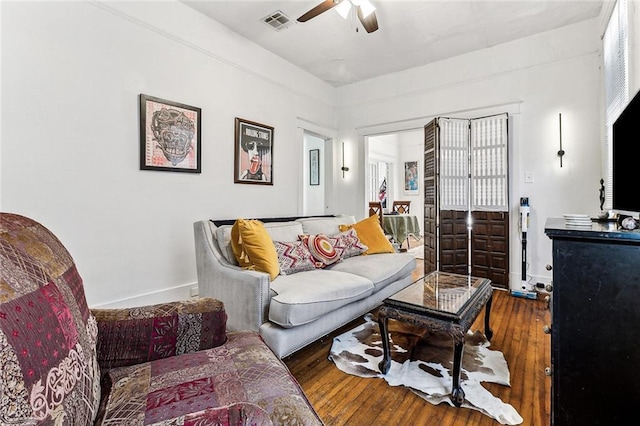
pixel 322 7
pixel 370 23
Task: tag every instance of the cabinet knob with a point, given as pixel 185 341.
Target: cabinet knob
pixel 546 329
pixel 549 267
pixel 548 371
pixel 549 287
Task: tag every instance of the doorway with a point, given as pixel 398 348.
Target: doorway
pixel 313 176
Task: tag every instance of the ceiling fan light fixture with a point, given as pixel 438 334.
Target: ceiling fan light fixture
pixel 343 8
pixel 366 7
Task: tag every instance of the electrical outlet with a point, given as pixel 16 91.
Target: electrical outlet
pixel 528 177
pixel 193 291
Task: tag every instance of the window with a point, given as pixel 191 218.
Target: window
pixel 379 182
pixel 615 52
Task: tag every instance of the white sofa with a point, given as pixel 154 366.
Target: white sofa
pixel 294 310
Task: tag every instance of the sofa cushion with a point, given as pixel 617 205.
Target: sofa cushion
pixel 322 249
pixel 301 298
pixel 294 257
pixel 253 247
pixel 279 231
pixel 187 388
pixel 324 225
pixel 134 335
pixel 349 243
pixel 371 234
pixel 49 371
pixel 381 269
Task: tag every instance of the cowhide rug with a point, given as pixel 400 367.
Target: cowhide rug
pixel 423 362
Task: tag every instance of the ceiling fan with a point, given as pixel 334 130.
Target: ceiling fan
pixel 364 9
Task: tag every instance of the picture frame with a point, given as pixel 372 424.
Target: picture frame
pixel 411 177
pixel 170 135
pixel 314 167
pixel 253 153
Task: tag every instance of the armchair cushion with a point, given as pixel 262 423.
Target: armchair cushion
pixel 181 390
pixel 136 335
pixel 48 367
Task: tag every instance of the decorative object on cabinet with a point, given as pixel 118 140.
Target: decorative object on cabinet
pixel 169 135
pixel 253 160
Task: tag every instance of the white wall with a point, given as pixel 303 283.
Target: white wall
pixel 533 79
pixel 71 76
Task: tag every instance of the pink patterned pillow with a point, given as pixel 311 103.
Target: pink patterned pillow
pixel 322 249
pixel 349 243
pixel 294 257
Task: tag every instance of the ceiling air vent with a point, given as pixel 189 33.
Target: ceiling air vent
pixel 277 20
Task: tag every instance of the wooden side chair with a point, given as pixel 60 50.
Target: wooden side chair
pixel 401 207
pixel 375 207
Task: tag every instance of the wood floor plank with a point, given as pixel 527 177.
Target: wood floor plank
pixel 342 399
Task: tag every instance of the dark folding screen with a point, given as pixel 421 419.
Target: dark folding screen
pixel 466 197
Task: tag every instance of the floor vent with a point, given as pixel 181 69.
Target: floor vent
pixel 277 20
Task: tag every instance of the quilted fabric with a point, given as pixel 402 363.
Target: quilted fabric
pixel 322 249
pixel 181 390
pixel 136 335
pixel 294 257
pixel 48 367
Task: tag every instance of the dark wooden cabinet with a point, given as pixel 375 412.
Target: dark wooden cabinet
pixel 595 331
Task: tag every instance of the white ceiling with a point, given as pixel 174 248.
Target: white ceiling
pixel 411 33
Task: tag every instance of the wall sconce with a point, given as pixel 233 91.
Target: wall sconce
pixel 561 151
pixel 344 169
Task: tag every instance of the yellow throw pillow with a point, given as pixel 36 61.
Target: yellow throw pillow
pixel 371 234
pixel 255 249
pixel 236 246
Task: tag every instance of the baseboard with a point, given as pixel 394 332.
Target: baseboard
pixel 181 292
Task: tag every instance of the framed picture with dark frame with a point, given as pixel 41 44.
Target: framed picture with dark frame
pixel 314 167
pixel 253 153
pixel 170 135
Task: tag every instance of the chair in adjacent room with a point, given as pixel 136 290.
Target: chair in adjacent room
pixel 375 207
pixel 401 207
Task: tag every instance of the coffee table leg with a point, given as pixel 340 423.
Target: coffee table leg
pixel 384 334
pixel 487 313
pixel 457 394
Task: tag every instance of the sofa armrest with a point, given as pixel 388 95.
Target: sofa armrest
pixel 129 336
pixel 245 293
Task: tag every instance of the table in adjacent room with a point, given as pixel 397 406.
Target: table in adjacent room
pixel 441 303
pixel 400 226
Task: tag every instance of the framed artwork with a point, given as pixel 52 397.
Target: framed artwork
pixel 411 177
pixel 314 167
pixel 253 153
pixel 169 136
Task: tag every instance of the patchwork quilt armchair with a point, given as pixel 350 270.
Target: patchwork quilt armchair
pixel 63 363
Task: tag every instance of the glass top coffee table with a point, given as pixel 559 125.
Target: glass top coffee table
pixel 440 302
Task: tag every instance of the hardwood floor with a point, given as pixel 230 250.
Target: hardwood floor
pixel 342 399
